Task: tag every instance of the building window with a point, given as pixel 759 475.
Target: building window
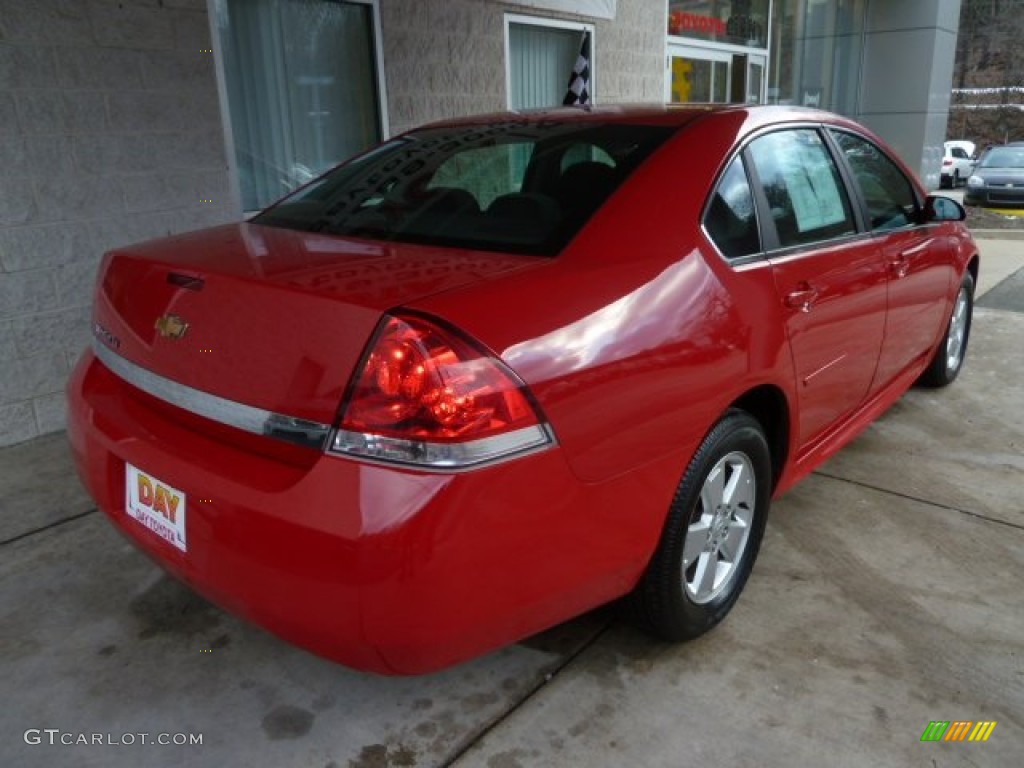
pixel 816 53
pixel 301 80
pixel 717 50
pixel 737 22
pixel 540 57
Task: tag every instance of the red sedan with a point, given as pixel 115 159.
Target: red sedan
pixel 499 371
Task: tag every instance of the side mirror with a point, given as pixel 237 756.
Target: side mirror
pixel 940 208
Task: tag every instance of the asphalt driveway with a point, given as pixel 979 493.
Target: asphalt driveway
pixel 887 595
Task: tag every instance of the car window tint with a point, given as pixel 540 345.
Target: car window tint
pixel 887 192
pixel 486 173
pixel 585 153
pixel 504 186
pixel 730 220
pixel 805 193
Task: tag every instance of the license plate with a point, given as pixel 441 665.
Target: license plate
pixel 156 505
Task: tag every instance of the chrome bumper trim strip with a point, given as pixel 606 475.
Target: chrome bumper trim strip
pixel 245 417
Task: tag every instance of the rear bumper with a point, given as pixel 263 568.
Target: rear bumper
pixel 381 569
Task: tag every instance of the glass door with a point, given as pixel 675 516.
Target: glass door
pixel 698 75
pixel 755 79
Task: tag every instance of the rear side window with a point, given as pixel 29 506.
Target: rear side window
pixel 517 187
pixel 730 219
pixel 888 194
pixel 803 187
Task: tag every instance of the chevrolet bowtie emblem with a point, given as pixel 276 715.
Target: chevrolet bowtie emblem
pixel 171 326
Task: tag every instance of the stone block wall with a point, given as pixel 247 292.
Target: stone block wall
pixel 444 59
pixel 631 53
pixel 110 133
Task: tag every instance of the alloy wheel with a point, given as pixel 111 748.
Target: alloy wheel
pixel 718 535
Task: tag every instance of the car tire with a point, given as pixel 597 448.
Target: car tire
pixel 711 536
pixel 956 179
pixel 949 354
pixel 944 182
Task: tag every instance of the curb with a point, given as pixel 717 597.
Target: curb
pixel 998 234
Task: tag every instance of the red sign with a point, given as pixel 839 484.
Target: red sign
pixel 680 22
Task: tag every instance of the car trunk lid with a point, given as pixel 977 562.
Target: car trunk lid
pixel 270 318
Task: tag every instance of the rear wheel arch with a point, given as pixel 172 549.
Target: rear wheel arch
pixel 769 406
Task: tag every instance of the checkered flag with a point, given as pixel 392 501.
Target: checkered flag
pixel 579 81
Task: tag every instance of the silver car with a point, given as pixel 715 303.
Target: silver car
pixel 998 178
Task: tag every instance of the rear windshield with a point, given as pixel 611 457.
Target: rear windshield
pixel 1003 157
pixel 513 187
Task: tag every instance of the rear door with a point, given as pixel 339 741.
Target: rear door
pixel 918 256
pixel 830 279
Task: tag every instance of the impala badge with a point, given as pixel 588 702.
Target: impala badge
pixel 171 326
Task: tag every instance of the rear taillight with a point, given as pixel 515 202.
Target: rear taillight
pixel 426 396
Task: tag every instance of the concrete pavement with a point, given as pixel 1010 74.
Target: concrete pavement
pixel 887 595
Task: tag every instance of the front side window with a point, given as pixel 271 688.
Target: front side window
pixel 730 219
pixel 803 187
pixel 301 82
pixel 514 186
pixel 888 194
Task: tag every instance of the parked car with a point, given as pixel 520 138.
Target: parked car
pixel 501 370
pixel 967 146
pixel 957 164
pixel 998 178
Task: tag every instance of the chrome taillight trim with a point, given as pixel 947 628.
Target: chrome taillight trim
pixel 442 457
pixel 258 421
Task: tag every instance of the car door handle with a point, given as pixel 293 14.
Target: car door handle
pixel 802 298
pixel 900 265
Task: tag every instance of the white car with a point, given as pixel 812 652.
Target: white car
pixel 957 163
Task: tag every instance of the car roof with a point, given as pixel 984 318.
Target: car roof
pixel 651 114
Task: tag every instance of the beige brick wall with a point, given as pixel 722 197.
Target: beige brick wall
pixel 110 132
pixel 445 59
pixel 631 53
pixel 442 59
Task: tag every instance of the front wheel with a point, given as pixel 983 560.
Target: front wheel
pixel 949 355
pixel 712 534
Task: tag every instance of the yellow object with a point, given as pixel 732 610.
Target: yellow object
pixel 682 69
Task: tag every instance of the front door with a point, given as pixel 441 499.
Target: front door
pixel 917 256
